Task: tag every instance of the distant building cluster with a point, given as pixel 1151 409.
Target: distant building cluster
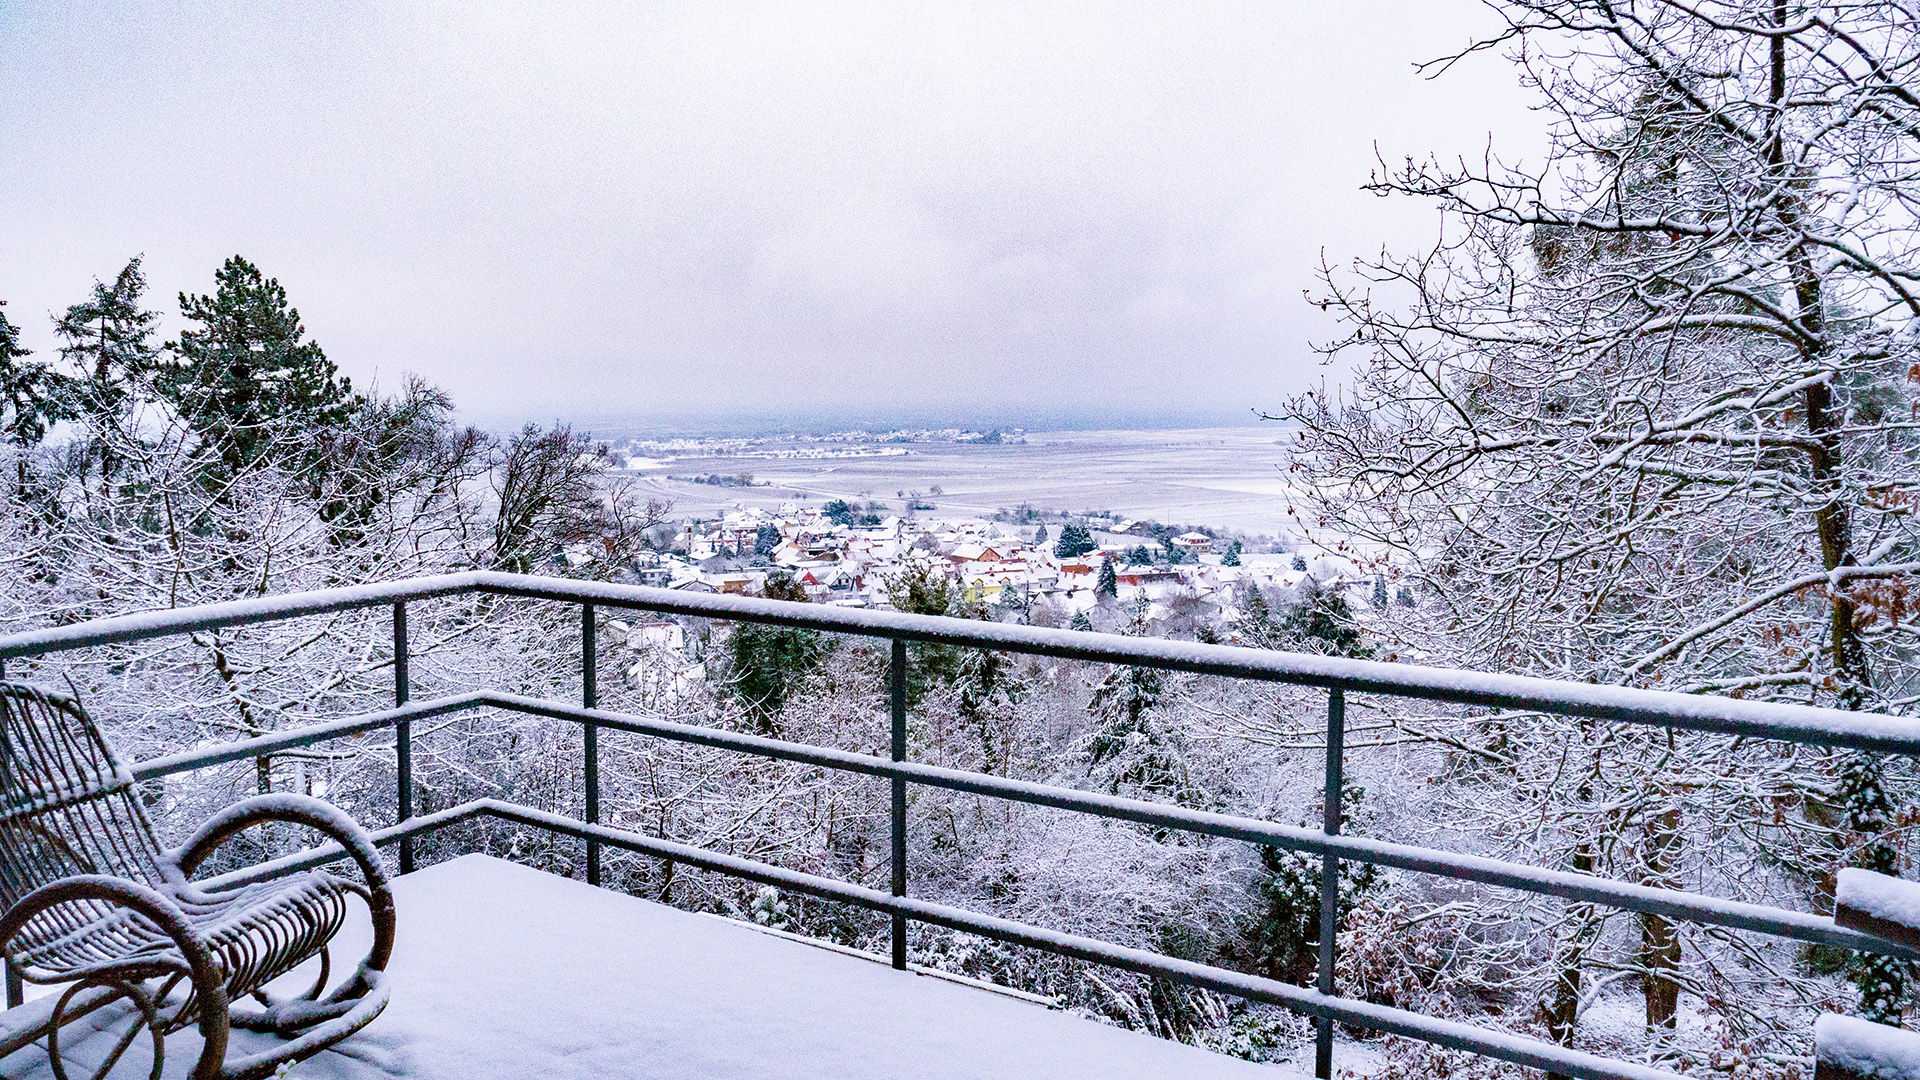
pixel 989 563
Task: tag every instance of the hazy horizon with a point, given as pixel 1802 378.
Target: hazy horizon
pixel 823 421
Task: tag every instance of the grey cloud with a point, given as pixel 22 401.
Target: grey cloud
pixel 713 208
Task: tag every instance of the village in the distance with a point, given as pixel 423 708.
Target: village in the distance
pixel 1087 571
pixel 783 532
pixel 1046 573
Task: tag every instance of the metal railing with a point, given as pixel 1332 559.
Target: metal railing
pixel 1763 720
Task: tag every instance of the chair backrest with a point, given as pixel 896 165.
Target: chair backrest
pixel 67 804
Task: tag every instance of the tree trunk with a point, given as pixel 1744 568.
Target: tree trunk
pixel 1659 940
pixel 1562 1013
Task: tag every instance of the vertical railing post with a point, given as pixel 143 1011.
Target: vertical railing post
pixel 898 693
pixel 1330 876
pixel 16 990
pixel 402 734
pixel 590 698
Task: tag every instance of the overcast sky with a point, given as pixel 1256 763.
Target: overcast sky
pixel 1021 212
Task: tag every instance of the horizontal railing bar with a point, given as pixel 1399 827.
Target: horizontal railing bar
pixel 1566 885
pixel 332 852
pixel 167 621
pixel 1728 716
pixel 1454 1035
pixel 303 736
pixel 1760 918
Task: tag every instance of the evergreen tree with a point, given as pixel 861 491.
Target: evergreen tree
pixel 1300 562
pixel 1255 624
pixel 1133 750
pixel 765 539
pixel 1320 620
pixel 838 512
pixel 767 661
pixel 1011 600
pixel 1379 591
pixel 1080 622
pixel 1232 557
pixel 1281 939
pixel 248 366
pixel 107 339
pixel 1109 582
pixel 924 589
pixel 1040 536
pixel 33 396
pixel 1074 541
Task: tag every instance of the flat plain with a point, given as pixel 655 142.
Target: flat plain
pixel 1230 478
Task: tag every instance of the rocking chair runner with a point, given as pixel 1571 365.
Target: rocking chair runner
pixel 92 899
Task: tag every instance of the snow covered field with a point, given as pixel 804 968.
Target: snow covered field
pixel 1222 477
pixel 506 973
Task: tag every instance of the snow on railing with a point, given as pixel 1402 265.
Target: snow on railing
pixel 1873 914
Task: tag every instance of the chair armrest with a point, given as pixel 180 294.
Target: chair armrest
pixel 320 816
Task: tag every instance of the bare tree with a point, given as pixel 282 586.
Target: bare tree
pixel 1646 415
pixel 551 490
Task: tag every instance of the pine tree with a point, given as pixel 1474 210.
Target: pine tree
pixel 1170 550
pixel 1074 541
pixel 1109 582
pixel 33 396
pixel 1320 620
pixel 1232 557
pixel 1080 622
pixel 1011 600
pixel 1040 536
pixel 1255 624
pixel 765 539
pixel 108 341
pixel 1132 749
pixel 768 660
pixel 247 367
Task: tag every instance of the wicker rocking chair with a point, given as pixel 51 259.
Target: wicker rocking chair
pixel 92 899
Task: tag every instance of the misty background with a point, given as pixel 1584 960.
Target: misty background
pixel 727 216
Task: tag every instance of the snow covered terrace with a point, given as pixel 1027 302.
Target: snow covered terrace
pixel 495 980
pixel 503 971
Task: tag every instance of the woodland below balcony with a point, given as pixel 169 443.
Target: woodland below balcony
pixel 503 970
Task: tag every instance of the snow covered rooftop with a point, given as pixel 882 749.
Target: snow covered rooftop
pixel 503 972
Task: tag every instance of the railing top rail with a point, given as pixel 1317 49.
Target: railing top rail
pixel 1754 719
pixel 162 622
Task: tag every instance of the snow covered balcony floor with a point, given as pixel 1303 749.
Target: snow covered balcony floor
pixel 501 971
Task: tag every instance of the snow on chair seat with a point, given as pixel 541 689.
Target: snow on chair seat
pixel 1849 1048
